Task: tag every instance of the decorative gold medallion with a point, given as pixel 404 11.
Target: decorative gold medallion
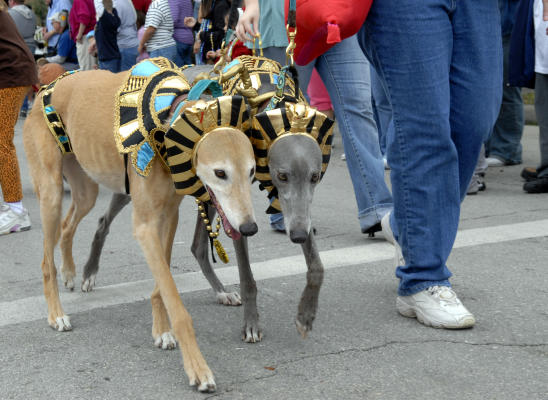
pixel 221 252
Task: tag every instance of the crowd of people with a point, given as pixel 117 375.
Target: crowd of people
pixel 456 57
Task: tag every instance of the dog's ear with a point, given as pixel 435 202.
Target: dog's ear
pixel 189 127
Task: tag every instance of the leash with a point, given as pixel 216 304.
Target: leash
pixel 291 29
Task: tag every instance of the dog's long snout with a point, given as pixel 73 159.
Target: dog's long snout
pixel 298 235
pixel 249 229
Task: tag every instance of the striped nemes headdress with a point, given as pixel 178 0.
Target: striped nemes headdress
pixel 189 127
pixel 256 78
pixel 289 119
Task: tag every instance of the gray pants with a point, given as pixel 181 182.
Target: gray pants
pixel 541 109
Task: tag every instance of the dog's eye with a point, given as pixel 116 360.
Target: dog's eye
pixel 282 176
pixel 315 178
pixel 219 173
pixel 252 172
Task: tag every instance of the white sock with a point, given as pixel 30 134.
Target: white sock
pixel 17 207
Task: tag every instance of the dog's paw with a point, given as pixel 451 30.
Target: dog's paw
pixel 88 284
pixel 68 279
pixel 165 341
pixel 252 333
pixel 61 324
pixel 303 328
pixel 206 384
pixel 229 299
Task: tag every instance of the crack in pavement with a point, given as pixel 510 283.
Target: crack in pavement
pixel 368 349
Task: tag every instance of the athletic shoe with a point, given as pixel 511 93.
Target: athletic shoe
pixel 385 161
pixel 278 226
pixel 389 236
pixel 343 157
pixel 436 306
pixel 11 222
pixel 495 162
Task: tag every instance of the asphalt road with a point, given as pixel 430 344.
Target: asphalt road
pixel 360 348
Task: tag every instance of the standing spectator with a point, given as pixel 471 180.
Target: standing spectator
pixel 140 33
pixel 82 21
pixel 25 20
pixel 105 38
pixel 17 75
pixel 158 37
pixel 141 5
pixel 127 39
pixel 184 38
pixel 504 144
pixel 51 36
pixel 538 182
pixel 440 63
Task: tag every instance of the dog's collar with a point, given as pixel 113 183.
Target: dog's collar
pixel 187 131
pixel 289 119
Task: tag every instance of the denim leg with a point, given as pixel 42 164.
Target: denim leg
pixel 183 56
pixel 169 52
pixel 345 73
pixel 438 60
pixel 505 140
pixel 128 58
pixel 541 109
pixel 110 65
pixel 381 108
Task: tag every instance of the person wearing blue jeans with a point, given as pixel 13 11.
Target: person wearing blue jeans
pixel 441 64
pixel 382 110
pixel 504 145
pixel 345 72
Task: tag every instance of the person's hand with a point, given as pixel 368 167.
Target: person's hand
pixel 189 22
pixel 211 55
pixel 92 49
pixel 545 10
pixel 141 48
pixel 79 39
pixel 248 24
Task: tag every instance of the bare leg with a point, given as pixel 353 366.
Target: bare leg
pixel 200 249
pixel 251 331
pixel 117 203
pixel 314 278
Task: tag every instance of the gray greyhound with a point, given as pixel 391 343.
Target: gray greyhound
pixel 295 167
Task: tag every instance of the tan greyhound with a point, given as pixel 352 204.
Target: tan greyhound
pixel 223 161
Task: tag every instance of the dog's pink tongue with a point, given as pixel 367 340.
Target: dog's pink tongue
pixel 229 229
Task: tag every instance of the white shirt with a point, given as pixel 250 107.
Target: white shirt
pixel 541 39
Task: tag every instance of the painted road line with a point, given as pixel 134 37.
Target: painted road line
pixel 34 308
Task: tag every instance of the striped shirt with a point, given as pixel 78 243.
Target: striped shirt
pixel 159 17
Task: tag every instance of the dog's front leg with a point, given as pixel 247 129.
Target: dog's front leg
pixel 314 278
pixel 200 249
pixel 251 331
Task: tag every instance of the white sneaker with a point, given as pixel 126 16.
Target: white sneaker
pixel 343 157
pixel 389 236
pixel 436 306
pixel 11 222
pixel 495 162
pixel 386 166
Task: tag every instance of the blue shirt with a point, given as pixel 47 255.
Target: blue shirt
pixel 67 48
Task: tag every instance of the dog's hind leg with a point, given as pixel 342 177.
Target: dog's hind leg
pixel 84 193
pixel 117 203
pixel 251 331
pixel 314 278
pixel 200 249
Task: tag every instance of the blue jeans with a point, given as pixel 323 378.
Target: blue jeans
pixel 169 52
pixel 184 53
pixel 441 64
pixel 129 58
pixel 110 65
pixel 505 140
pixel 345 72
pixel 382 110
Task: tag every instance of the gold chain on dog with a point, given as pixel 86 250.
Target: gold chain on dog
pixel 221 252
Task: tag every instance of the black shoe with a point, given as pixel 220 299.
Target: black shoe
pixel 529 173
pixel 23 114
pixel 539 185
pixel 371 230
